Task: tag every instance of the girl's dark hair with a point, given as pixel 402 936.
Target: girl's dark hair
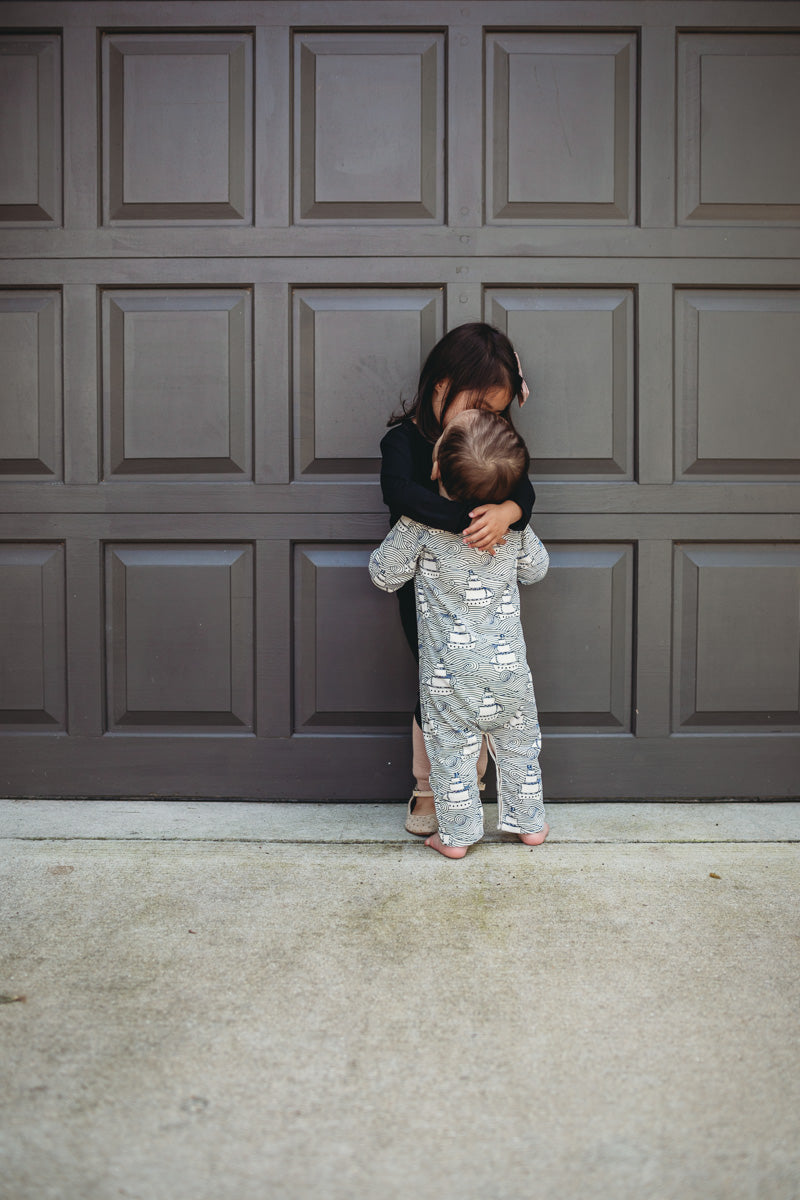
pixel 472 358
pixel 482 458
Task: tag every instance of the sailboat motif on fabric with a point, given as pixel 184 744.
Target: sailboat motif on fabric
pixel 472 745
pixel 506 607
pixel 531 789
pixel 428 565
pixel 477 594
pixel 458 794
pixel 489 706
pixel 440 682
pixel 504 657
pixel 518 721
pixel 423 608
pixel 459 636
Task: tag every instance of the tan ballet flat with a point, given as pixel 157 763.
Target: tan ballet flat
pixel 421 824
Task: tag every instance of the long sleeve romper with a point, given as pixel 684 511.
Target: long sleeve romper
pixel 474 674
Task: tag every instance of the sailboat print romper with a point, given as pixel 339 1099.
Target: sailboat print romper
pixel 474 677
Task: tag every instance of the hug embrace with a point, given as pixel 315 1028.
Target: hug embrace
pixel 455 478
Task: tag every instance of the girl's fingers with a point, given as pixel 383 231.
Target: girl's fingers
pixel 480 521
pixel 482 535
pixel 486 543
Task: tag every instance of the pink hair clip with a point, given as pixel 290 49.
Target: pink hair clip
pixel 524 391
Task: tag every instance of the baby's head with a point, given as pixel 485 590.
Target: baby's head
pixel 480 457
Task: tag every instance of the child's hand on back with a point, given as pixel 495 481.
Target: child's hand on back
pixel 490 524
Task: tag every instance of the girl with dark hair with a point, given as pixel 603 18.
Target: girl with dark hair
pixel 472 366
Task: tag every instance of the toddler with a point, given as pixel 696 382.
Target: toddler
pixel 474 676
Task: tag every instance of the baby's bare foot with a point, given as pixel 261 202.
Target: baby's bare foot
pixel 436 843
pixel 535 839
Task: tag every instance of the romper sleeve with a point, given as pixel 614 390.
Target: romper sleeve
pixel 402 494
pixel 395 560
pixel 532 558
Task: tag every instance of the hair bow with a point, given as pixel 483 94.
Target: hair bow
pixel 524 390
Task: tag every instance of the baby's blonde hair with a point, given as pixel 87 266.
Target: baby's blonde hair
pixel 481 457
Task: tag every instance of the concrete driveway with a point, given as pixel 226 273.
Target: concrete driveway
pixel 236 1001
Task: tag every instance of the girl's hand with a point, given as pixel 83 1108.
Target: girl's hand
pixel 490 524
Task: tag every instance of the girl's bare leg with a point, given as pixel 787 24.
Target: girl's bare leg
pixel 483 760
pixel 421 767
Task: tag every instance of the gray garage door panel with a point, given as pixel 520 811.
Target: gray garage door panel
pixel 32 636
pixel 161 95
pixel 229 237
pixel 31 433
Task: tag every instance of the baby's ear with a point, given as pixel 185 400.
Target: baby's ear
pixel 435 471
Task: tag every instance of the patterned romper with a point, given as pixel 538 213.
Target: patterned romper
pixel 473 673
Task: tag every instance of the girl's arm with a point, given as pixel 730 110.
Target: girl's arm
pixel 402 495
pixel 395 560
pixel 525 497
pixel 532 559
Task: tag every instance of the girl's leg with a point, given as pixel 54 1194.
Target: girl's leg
pixel 421 815
pixel 420 763
pixel 483 761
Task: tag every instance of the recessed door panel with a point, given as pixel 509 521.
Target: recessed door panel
pixel 739 99
pixel 30 130
pixel 737 372
pixel 737 639
pixel 32 637
pixel 561 126
pixel 177 383
pixel 177 113
pixel 356 356
pixel 180 637
pixel 579 422
pixel 31 444
pixel 369 127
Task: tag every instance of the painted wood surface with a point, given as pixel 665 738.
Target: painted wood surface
pixel 228 237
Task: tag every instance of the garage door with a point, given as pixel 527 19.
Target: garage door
pixel 230 233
